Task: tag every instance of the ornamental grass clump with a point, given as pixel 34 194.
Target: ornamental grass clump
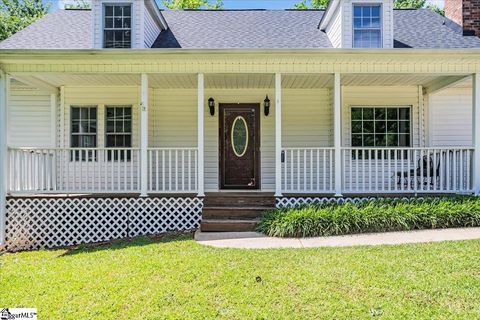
pixel 371 216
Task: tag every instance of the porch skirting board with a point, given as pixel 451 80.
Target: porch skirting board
pixel 36 223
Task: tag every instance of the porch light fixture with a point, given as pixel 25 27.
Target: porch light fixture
pixel 211 106
pixel 266 106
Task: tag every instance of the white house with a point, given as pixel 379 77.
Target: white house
pixel 126 120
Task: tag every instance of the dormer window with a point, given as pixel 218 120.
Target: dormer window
pixel 117 26
pixel 367 30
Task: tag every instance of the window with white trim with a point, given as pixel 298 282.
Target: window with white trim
pixel 380 126
pixel 118 131
pixel 83 132
pixel 117 31
pixel 367 26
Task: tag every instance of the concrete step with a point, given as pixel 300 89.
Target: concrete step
pixel 233 212
pixel 228 225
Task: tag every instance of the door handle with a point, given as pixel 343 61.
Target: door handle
pixel 282 157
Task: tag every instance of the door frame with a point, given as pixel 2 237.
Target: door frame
pixel 257 155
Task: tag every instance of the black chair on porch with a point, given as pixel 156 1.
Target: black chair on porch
pixel 425 172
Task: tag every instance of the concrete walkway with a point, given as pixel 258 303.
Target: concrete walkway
pixel 254 240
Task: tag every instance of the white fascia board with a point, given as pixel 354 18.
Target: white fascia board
pixel 327 16
pixel 157 14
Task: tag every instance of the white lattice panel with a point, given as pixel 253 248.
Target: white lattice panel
pixel 288 202
pixel 157 215
pixel 34 223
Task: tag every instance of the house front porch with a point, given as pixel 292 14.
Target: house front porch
pixel 324 134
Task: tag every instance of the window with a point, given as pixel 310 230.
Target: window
pixel 367 31
pixel 119 131
pixel 117 26
pixel 83 132
pixel 381 126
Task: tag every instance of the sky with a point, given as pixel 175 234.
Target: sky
pixel 258 4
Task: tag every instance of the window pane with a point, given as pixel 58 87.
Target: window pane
pixel 127 126
pixel 392 113
pixel 375 23
pixel 108 23
pixel 392 126
pixel 404 113
pixel 126 11
pixel 108 10
pixel 380 140
pixel 75 113
pixel 357 11
pixel 392 140
pixel 75 126
pixel 380 113
pixel 93 113
pixel 356 140
pixel 128 141
pixel 119 126
pixel 84 113
pixel 75 141
pixel 117 10
pixel 404 140
pixel 110 126
pixel 126 23
pixel 366 10
pixel 404 127
pixel 357 22
pixel 117 23
pixel 110 141
pixel 367 113
pixel 356 113
pixel 380 126
pixel 356 126
pixel 368 127
pixel 375 11
pixel 368 140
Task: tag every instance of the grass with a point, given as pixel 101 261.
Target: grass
pixel 177 278
pixel 371 216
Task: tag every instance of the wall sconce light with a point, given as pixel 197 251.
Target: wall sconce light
pixel 211 106
pixel 266 106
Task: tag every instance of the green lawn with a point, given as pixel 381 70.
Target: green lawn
pixel 178 278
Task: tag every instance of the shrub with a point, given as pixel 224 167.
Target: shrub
pixel 371 216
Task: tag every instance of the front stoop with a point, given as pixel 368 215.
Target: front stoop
pixel 234 211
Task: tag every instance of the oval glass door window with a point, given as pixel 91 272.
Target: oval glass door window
pixel 239 136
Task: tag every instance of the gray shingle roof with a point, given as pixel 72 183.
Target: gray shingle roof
pixel 243 29
pixel 424 28
pixel 71 29
pixel 63 29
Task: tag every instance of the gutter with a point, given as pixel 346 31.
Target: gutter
pixel 167 51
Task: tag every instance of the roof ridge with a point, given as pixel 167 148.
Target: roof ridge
pixel 239 10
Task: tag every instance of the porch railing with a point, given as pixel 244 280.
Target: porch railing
pixel 172 170
pixel 407 170
pixel 73 170
pixel 308 170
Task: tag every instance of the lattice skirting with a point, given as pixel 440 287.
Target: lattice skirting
pixel 289 202
pixel 34 223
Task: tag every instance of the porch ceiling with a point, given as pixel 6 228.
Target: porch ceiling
pixel 241 81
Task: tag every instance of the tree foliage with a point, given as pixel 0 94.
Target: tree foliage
pixel 192 4
pixel 399 4
pixel 18 14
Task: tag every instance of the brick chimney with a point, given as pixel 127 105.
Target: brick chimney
pixel 466 13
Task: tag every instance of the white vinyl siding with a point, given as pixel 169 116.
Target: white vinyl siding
pixel 450 113
pixel 152 29
pixel 29 118
pixel 334 28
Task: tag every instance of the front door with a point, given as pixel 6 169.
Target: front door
pixel 239 146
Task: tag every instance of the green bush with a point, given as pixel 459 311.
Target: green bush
pixel 371 216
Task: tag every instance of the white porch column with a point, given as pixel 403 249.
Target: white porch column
pixel 200 135
pixel 337 132
pixel 476 132
pixel 144 135
pixel 3 154
pixel 278 135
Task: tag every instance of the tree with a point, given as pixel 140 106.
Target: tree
pixel 18 14
pixel 79 5
pixel 192 4
pixel 399 4
pixel 313 4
